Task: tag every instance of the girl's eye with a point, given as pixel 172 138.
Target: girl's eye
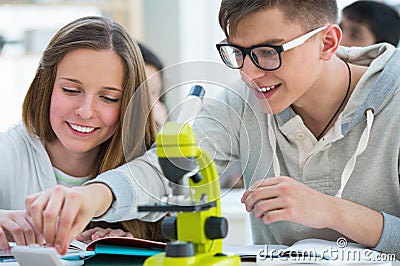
pixel 109 99
pixel 70 90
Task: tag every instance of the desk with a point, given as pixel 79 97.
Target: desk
pixel 239 232
pixel 113 263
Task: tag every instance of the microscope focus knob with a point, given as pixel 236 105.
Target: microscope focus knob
pixel 216 227
pixel 168 228
pixel 179 249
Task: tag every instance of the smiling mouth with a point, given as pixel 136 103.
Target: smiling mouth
pixel 266 89
pixel 82 129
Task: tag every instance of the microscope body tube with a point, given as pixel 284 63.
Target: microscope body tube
pixel 191 105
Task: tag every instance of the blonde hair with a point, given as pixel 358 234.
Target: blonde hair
pixel 97 33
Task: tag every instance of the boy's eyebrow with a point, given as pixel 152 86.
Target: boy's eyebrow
pixel 80 83
pixel 274 41
pixel 267 42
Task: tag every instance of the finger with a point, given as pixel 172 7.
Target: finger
pixel 29 201
pixel 270 181
pixel 102 232
pixel 4 241
pixel 245 195
pixel 16 232
pixel 264 206
pixel 117 232
pixel 87 234
pixel 260 183
pixel 38 236
pixel 275 216
pixel 250 190
pixel 34 206
pixel 51 215
pixel 262 193
pixel 39 239
pixel 27 230
pixel 71 223
pixel 62 245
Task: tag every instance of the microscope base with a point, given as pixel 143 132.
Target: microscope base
pixel 206 259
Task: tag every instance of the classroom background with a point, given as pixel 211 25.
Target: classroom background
pixel 178 31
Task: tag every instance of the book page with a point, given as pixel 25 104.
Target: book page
pixel 126 242
pixel 77 245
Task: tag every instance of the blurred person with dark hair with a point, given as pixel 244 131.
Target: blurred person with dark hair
pixel 153 66
pixel 368 22
pixel 2 41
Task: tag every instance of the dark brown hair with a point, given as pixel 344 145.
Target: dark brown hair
pixel 383 20
pixel 309 13
pixel 97 33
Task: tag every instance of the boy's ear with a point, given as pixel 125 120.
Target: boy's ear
pixel 331 41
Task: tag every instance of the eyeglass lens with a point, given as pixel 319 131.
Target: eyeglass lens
pixel 264 57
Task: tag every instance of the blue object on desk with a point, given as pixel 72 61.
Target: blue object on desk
pixel 132 251
pixel 78 255
pixel 110 250
pixel 7 259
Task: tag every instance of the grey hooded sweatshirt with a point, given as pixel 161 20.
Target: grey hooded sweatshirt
pixel 357 160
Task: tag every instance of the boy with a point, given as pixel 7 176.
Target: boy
pixel 317 137
pixel 323 110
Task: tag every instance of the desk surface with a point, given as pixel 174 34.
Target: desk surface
pixel 112 262
pixel 117 264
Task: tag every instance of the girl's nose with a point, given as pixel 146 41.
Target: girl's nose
pixel 86 109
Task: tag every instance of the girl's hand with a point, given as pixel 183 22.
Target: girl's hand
pixel 15 226
pixel 61 213
pixel 97 232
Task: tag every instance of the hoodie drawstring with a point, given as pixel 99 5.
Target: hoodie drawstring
pixel 272 142
pixel 362 145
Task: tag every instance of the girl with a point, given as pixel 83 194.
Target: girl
pixel 72 122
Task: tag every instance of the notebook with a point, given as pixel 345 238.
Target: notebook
pixel 129 246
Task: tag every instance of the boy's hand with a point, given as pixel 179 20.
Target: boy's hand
pixel 285 199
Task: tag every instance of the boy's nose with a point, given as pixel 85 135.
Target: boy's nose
pixel 250 70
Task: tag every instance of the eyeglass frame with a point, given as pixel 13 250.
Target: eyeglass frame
pixel 278 48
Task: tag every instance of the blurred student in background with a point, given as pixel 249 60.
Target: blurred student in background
pixel 72 127
pixel 153 65
pixel 368 22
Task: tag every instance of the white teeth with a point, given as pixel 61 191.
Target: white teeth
pixel 82 129
pixel 265 89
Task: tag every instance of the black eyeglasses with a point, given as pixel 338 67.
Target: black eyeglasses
pixel 266 57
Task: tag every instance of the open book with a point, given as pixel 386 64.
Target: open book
pixel 114 245
pixel 313 251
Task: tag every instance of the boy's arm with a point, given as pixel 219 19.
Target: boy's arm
pixel 371 228
pixel 141 181
pixel 135 183
pixel 389 241
pixel 285 199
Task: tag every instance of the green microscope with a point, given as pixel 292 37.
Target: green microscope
pixel 198 228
